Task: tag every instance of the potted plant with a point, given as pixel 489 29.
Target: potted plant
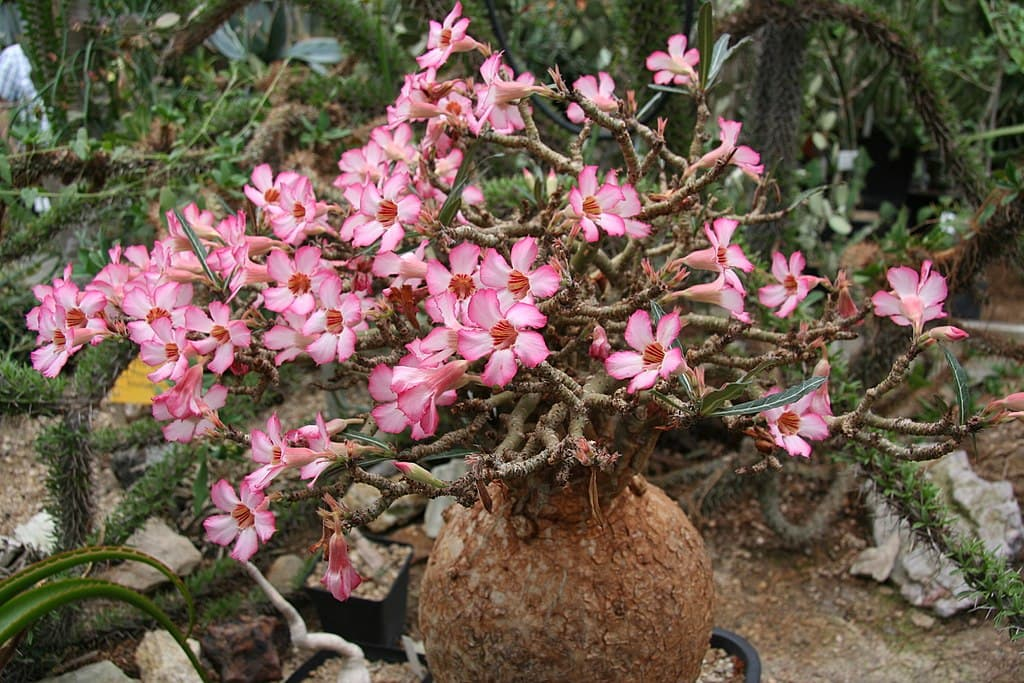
pixel 549 344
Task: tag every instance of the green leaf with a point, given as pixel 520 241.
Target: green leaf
pixel 80 145
pixel 717 398
pixel 705 41
pixel 38 571
pixel 453 203
pixel 720 54
pixel 778 400
pixel 5 170
pixel 316 51
pixel 28 606
pixel 200 486
pixel 370 440
pixel 960 386
pixel 198 249
pixel 668 88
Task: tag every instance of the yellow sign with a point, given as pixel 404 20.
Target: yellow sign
pixel 132 385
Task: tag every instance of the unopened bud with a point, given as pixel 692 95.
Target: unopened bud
pixel 600 348
pixel 944 333
pixel 417 473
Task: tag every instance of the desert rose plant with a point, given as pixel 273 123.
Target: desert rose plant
pixel 508 338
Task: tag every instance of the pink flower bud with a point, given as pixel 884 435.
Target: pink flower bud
pixel 600 348
pixel 944 333
pixel 417 473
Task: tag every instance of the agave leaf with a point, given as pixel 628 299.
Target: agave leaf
pixel 26 607
pixel 38 571
pixel 778 400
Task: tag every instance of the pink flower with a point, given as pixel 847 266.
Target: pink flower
pixel 367 164
pixel 419 390
pixel 914 299
pixel 793 287
pixel 677 66
pixel 288 338
pixel 743 157
pixel 265 191
pixel 248 522
pixel 341 577
pixel 168 350
pixel 605 207
pixel 297 280
pixel 334 325
pixel 724 291
pixel 192 413
pixel 790 423
pixel 463 279
pixel 519 279
pixel 446 38
pixel 1007 408
pixel 272 451
pixel 298 213
pixel 225 334
pixel 147 302
pixel 947 333
pixel 654 355
pixel 62 341
pixel 598 90
pixel 396 144
pixel 408 268
pixel 721 255
pixel 505 335
pixel 383 213
pixel 499 93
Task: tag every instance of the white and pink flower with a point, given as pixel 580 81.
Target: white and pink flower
pixel 599 90
pixel 793 286
pixel 792 424
pixel 248 521
pixel 914 299
pixel 677 66
pixel 654 355
pixel 506 336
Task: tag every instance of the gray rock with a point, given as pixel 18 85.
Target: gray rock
pixel 402 511
pixel 285 572
pixel 40 532
pixel 433 517
pixel 877 562
pixel 97 672
pixel 161 660
pixel 163 543
pixel 982 509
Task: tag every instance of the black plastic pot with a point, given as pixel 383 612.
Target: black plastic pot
pixel 739 647
pixel 366 622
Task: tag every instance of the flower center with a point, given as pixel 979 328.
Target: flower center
pixel 171 351
pixel 298 283
pixel 275 455
pixel 243 516
pixel 590 206
pixel 789 423
pixel 155 313
pixel 503 334
pixel 518 284
pixel 462 285
pixel 221 334
pixel 723 258
pixel 271 195
pixel 75 318
pixel 453 108
pixel 446 37
pixel 335 321
pixel 387 213
pixel 654 354
pixel 790 284
pixel 299 211
pixel 59 339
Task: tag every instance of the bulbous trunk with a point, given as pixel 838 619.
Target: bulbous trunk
pixel 592 589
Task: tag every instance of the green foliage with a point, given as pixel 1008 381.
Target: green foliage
pixel 40 589
pixel 995 585
pixel 24 391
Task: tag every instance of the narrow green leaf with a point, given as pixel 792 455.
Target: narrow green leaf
pixel 706 41
pixel 38 571
pixel 372 441
pixel 200 486
pixel 198 249
pixel 720 55
pixel 960 386
pixel 453 203
pixel 28 606
pixel 669 89
pixel 778 400
pixel 717 398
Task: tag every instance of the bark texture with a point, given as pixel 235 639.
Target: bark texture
pixel 511 598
